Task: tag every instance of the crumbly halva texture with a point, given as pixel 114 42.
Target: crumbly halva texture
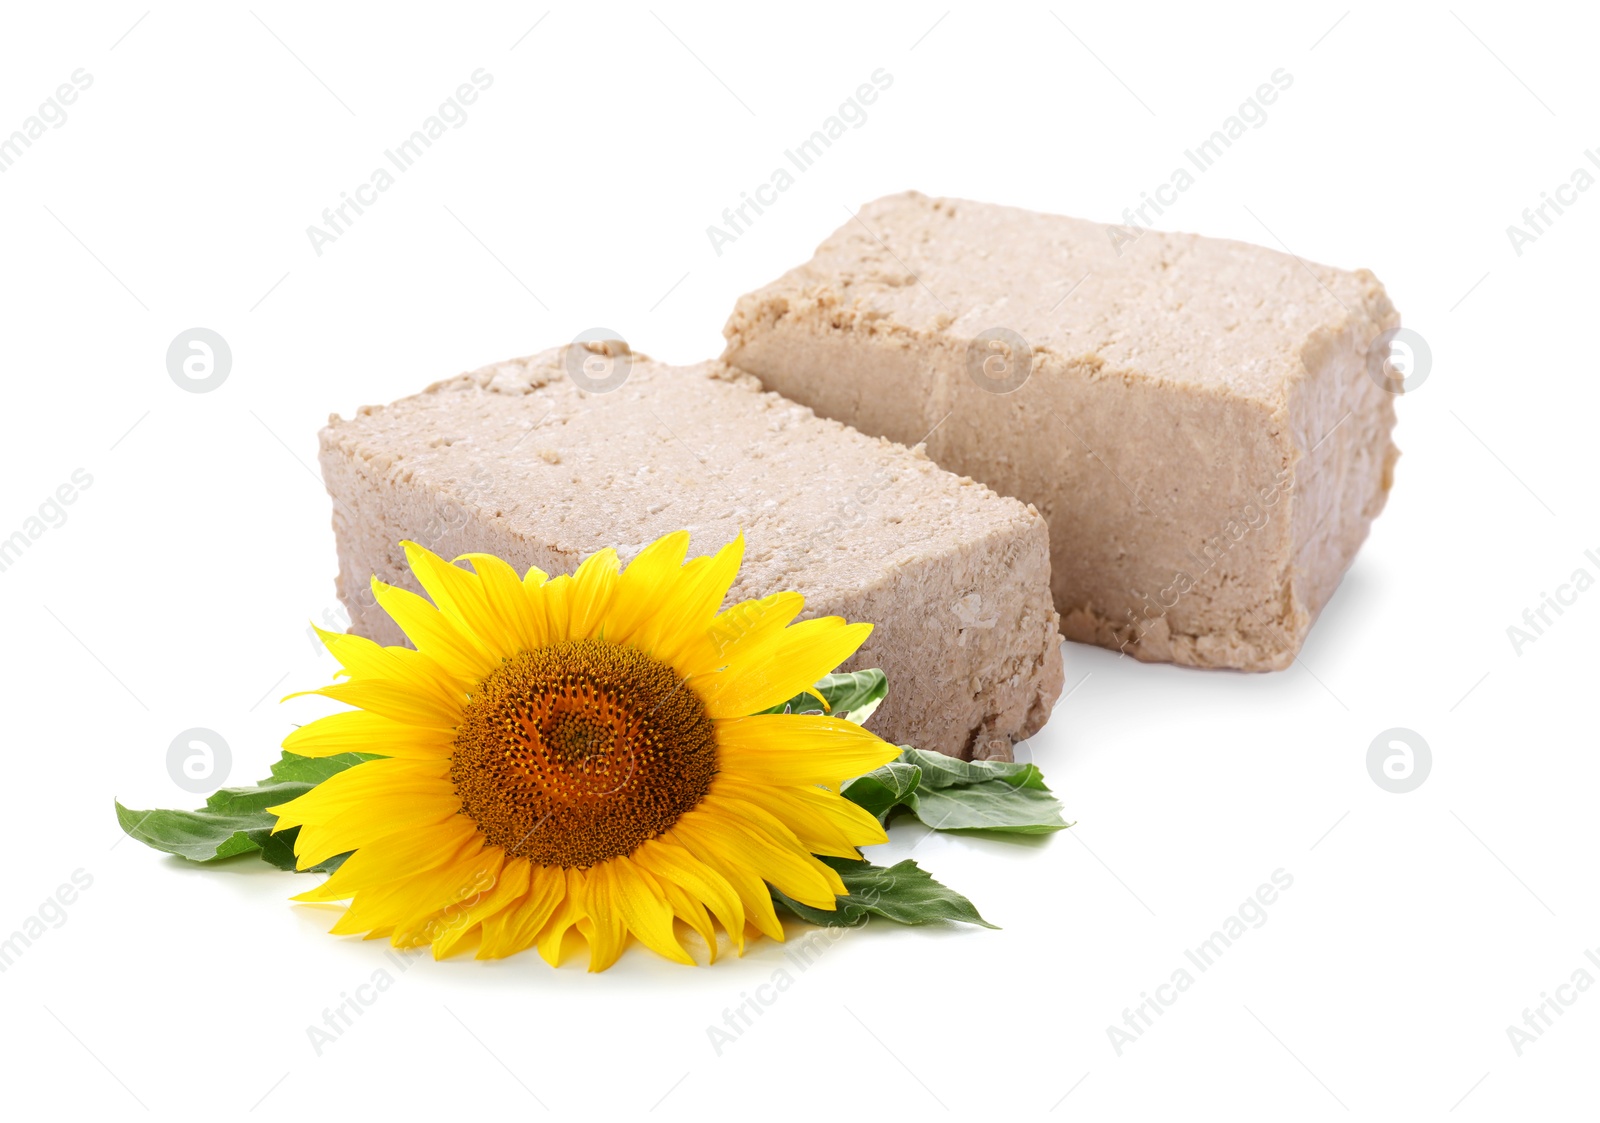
pixel 517 460
pixel 1194 417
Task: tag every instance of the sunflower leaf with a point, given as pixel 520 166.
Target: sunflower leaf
pixel 852 695
pixel 236 821
pixel 904 893
pixel 315 769
pixel 960 795
pixel 233 821
pixel 884 789
pixel 278 850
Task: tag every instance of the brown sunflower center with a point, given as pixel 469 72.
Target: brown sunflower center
pixel 576 753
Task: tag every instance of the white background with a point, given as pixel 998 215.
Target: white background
pixel 577 194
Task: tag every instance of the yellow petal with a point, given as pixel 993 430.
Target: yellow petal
pixel 393 701
pixel 396 857
pixel 799 749
pixel 357 731
pixel 589 597
pixel 388 906
pixel 753 894
pixel 399 904
pixel 509 600
pixel 434 633
pixel 373 785
pixel 470 880
pixel 363 659
pixel 461 598
pixel 515 928
pixel 785 865
pixel 606 930
pixel 692 913
pixel 644 909
pixel 808 811
pixel 742 629
pixel 553 602
pixel 748 819
pixel 566 914
pixel 775 671
pixel 358 826
pixel 511 885
pixel 680 628
pixel 672 863
pixel 643 583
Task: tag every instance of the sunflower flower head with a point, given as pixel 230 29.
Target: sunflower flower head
pixel 583 753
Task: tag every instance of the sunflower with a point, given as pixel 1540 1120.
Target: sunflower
pixel 582 752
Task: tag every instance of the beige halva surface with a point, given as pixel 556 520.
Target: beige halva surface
pixel 1198 427
pixel 517 460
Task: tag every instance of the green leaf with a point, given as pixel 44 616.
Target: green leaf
pixel 883 789
pixel 903 893
pixel 235 821
pixel 278 849
pixel 960 795
pixel 853 695
pixel 940 771
pixel 990 808
pixel 315 769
